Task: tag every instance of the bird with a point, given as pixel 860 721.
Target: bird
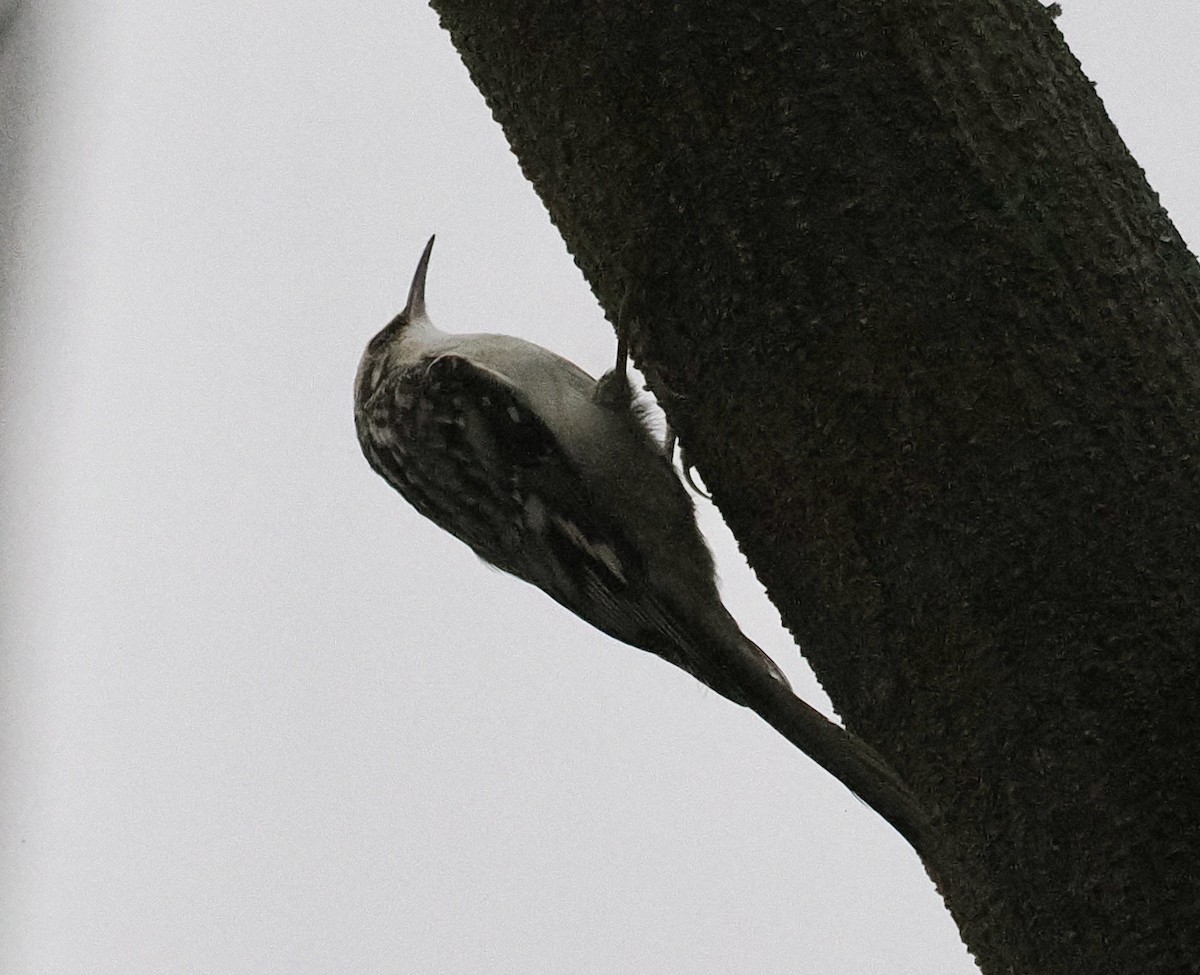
pixel 554 477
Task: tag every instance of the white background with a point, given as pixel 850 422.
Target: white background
pixel 258 716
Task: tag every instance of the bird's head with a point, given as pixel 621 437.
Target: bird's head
pixel 412 319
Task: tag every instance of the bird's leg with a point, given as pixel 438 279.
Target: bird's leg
pixel 623 335
pixel 619 377
pixel 613 389
pixel 687 467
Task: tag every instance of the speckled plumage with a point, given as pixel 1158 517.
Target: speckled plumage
pixel 552 476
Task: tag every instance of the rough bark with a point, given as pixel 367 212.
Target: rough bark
pixel 935 348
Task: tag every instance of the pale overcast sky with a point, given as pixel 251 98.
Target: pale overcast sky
pixel 257 715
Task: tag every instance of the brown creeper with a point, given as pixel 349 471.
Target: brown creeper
pixel 553 476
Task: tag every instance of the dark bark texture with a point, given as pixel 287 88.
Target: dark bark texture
pixel 935 348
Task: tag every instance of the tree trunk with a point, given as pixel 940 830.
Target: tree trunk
pixel 933 345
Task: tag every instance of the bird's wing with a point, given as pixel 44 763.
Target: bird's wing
pixel 488 433
pixel 489 444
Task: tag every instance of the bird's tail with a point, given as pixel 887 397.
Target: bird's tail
pixel 772 668
pixel 747 659
pixel 849 759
